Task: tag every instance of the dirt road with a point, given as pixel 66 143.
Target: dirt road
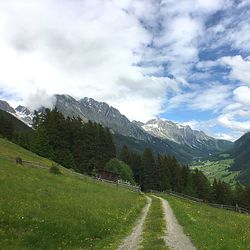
pixel 133 240
pixel 175 237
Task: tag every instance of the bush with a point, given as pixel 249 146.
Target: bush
pixel 121 168
pixel 54 169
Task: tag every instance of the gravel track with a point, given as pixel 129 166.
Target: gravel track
pixel 175 237
pixel 133 240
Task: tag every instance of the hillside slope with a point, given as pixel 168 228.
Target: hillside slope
pixel 219 169
pixel 241 155
pixel 42 210
pixel 212 228
pixel 16 123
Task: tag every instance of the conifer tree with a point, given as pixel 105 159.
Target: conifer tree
pixel 125 154
pixel 136 166
pixel 6 128
pixel 40 144
pixel 148 164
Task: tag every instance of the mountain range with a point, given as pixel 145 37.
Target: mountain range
pixel 161 135
pixel 20 112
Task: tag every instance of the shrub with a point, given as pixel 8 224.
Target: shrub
pixel 121 168
pixel 54 169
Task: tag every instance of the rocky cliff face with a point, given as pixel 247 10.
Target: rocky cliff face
pixel 100 112
pixel 6 107
pixel 183 135
pixel 20 112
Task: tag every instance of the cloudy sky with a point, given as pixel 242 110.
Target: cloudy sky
pixel 186 60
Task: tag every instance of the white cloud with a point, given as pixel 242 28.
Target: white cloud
pixel 242 95
pixel 213 97
pixel 229 121
pixel 239 36
pixel 201 125
pixel 229 137
pixel 122 52
pixel 240 68
pixel 87 48
pixel 91 48
pixel 40 96
pixel 236 116
pixel 208 126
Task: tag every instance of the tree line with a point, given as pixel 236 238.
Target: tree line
pixel 68 141
pixel 6 128
pixel 162 173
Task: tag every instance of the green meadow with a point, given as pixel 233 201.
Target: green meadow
pixel 41 210
pixel 218 169
pixel 212 228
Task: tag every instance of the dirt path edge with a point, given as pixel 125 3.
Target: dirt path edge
pixel 175 237
pixel 133 240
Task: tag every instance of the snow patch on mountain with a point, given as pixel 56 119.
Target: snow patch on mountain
pixel 181 134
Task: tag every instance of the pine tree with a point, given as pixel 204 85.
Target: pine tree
pixel 202 185
pixel 6 128
pixel 148 164
pixel 136 166
pixel 125 154
pixel 40 144
pixel 164 173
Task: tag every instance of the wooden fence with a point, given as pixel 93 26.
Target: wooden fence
pixel 194 199
pixel 82 176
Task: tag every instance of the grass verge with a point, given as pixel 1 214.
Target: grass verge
pixel 40 210
pixel 154 228
pixel 212 228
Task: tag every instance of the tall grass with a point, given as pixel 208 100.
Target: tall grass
pixel 212 228
pixel 40 210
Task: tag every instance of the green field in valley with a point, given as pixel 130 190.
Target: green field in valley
pixel 41 210
pixel 212 228
pixel 218 169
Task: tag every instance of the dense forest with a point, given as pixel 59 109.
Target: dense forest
pixel 10 125
pixel 86 147
pixel 69 141
pixel 165 173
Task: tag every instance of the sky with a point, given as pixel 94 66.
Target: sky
pixel 187 61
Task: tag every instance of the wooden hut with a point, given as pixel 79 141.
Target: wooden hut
pixel 108 175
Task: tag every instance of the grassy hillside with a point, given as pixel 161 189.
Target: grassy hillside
pixel 241 154
pixel 42 210
pixel 212 228
pixel 219 169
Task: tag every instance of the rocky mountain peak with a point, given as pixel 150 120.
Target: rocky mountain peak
pixel 181 134
pixel 138 123
pixel 100 112
pixel 23 109
pixel 6 107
